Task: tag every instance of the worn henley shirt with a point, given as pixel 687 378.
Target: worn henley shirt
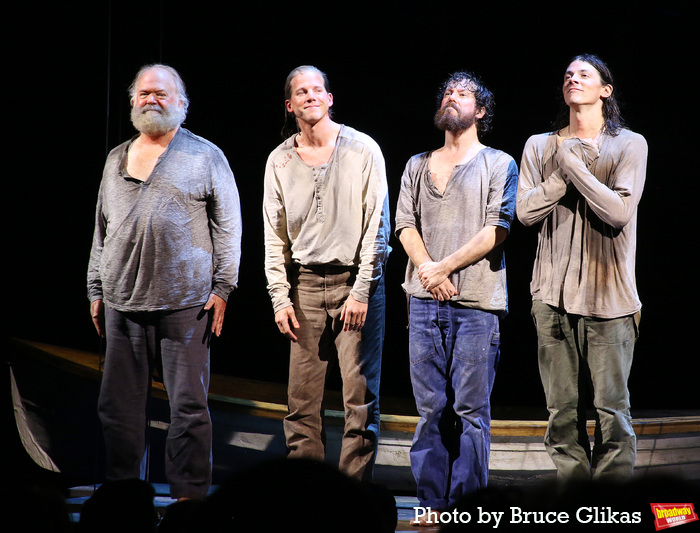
pixel 168 242
pixel 479 193
pixel 334 214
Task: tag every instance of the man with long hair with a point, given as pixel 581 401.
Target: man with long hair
pixel 454 211
pixel 581 185
pixel 326 220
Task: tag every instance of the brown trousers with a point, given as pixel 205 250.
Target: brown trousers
pixel 318 295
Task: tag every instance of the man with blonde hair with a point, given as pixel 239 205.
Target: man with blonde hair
pixel 327 230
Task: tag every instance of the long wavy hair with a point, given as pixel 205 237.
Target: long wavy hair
pixel 612 116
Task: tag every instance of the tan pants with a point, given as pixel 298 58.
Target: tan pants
pixel 318 295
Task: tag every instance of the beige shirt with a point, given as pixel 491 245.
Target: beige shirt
pixel 335 214
pixel 584 198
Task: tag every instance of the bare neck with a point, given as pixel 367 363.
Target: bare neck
pixel 461 145
pixel 315 143
pixel 585 123
pixel 318 135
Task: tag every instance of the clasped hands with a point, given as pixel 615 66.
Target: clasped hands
pixel 433 276
pixel 575 154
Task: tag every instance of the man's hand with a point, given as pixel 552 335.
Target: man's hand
pixel 444 291
pixel 573 151
pixel 97 311
pixel 219 305
pixel 432 274
pixel 283 318
pixel 353 315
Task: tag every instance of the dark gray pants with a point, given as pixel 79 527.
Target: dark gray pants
pixel 178 343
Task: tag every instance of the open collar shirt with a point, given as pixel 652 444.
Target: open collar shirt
pixel 336 214
pixel 168 242
pixel 479 193
pixel 584 197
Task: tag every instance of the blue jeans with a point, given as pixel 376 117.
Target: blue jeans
pixel 575 353
pixel 177 341
pixel 454 353
pixel 318 294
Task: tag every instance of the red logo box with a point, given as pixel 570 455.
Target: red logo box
pixel 672 514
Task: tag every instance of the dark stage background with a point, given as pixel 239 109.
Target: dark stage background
pixel 68 106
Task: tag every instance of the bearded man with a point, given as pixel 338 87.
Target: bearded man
pixel 454 212
pixel 165 257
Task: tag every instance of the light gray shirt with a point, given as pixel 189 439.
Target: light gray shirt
pixel 168 242
pixel 584 197
pixel 479 193
pixel 334 214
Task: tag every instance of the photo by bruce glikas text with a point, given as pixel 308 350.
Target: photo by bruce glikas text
pixel 516 515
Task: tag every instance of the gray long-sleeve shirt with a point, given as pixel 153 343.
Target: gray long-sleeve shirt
pixel 479 193
pixel 585 199
pixel 334 214
pixel 168 242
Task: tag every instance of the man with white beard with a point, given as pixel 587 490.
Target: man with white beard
pixel 455 208
pixel 165 257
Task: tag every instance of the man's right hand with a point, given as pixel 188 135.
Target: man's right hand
pixel 97 312
pixel 444 291
pixel 284 318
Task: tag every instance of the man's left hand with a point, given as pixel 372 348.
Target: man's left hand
pixel 353 315
pixel 431 274
pixel 218 304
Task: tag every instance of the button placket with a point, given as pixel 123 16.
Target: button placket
pixel 318 176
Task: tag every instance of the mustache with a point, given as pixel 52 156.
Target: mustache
pixel 151 107
pixel 449 105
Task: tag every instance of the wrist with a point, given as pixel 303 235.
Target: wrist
pixel 448 265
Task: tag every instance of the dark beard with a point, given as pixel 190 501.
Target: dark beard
pixel 153 120
pixel 446 121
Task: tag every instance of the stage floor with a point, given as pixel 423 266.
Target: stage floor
pixel 50 416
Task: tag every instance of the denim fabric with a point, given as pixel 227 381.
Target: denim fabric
pixel 574 354
pixel 318 296
pixel 177 342
pixel 454 353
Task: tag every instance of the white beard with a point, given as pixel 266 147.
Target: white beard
pixel 153 120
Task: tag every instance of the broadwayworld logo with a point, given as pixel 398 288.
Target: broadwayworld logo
pixel 672 514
